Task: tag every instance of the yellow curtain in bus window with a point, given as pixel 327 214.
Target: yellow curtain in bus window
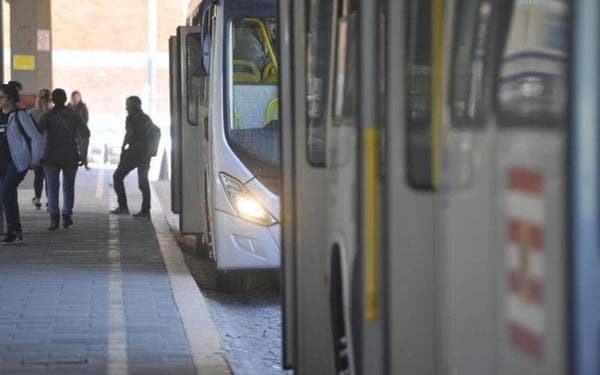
pixel 24 62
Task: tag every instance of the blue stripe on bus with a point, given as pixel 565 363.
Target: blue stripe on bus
pixel 584 253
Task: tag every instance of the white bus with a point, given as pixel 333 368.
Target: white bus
pixel 225 134
pixel 442 195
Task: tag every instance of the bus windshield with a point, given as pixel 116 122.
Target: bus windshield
pixel 253 125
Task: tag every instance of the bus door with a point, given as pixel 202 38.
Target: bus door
pixel 468 194
pixel 584 191
pixel 411 118
pixel 531 227
pixel 193 116
pixel 203 92
pixel 305 29
pixel 288 264
pixel 342 154
pixel 175 105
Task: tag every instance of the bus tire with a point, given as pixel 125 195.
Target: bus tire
pixel 336 307
pixel 203 245
pixel 234 281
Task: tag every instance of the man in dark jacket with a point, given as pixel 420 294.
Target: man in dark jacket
pixel 61 125
pixel 134 155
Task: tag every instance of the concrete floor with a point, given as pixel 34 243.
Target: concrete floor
pixel 111 295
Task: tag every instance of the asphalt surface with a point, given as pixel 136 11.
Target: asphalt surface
pixel 249 324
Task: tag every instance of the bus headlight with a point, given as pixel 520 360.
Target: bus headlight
pixel 245 205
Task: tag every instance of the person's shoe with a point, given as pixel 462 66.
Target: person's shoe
pixel 12 238
pixel 36 202
pixel 87 168
pixel 143 214
pixel 120 211
pixel 67 221
pixel 54 223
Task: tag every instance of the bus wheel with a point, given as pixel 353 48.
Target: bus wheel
pixel 235 281
pixel 203 245
pixel 338 326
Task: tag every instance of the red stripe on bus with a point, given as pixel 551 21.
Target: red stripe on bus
pixel 525 180
pixel 525 340
pixel 532 290
pixel 526 234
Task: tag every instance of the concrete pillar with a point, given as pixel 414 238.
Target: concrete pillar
pixel 31 45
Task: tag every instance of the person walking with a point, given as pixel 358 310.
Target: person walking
pixel 79 106
pixel 134 154
pixel 42 104
pixel 61 124
pixel 21 147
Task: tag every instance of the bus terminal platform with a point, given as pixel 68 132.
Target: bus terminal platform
pixel 110 295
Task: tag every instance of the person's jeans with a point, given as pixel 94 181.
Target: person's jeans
pixel 68 188
pixel 10 179
pixel 122 171
pixel 38 181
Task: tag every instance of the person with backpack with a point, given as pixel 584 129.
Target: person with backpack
pixel 61 124
pixel 139 145
pixel 43 103
pixel 20 149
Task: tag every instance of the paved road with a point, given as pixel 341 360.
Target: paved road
pixel 249 325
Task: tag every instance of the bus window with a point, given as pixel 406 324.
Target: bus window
pixel 418 96
pixel 532 80
pixel 346 78
pixel 195 75
pixel 318 56
pixel 471 43
pixel 253 122
pixel 207 28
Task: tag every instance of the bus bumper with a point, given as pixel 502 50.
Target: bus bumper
pixel 239 244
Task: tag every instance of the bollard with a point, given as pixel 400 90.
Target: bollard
pixel 163 174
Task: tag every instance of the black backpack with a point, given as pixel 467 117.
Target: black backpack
pixel 152 138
